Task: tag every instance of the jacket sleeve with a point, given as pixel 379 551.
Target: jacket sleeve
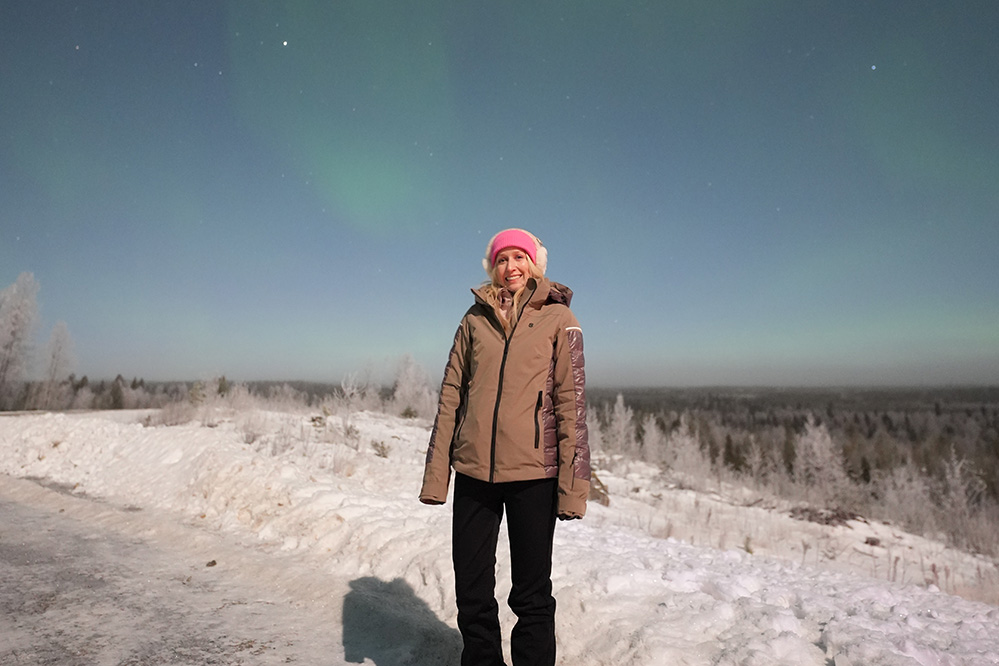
pixel 437 473
pixel 570 413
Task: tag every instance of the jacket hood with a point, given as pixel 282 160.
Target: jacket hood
pixel 547 292
pixel 559 293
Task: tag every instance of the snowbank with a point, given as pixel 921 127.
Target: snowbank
pixel 341 492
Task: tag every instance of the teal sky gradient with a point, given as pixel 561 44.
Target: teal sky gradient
pixel 775 193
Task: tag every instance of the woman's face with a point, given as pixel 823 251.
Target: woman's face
pixel 512 268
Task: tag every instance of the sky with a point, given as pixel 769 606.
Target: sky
pixel 738 193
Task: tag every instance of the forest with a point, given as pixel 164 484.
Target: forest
pixel 926 458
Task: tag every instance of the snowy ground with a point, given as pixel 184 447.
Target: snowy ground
pixel 88 583
pixel 323 513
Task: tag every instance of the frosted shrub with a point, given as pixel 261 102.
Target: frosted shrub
pixel 239 399
pixel 138 398
pixel 962 488
pixel 411 392
pixel 979 533
pixel 355 395
pixel 251 425
pixel 171 414
pixel 905 497
pixel 684 456
pixel 286 398
pixel 961 498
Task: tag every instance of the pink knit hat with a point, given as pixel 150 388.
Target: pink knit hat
pixel 520 239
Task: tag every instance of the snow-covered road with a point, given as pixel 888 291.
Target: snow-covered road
pixel 85 583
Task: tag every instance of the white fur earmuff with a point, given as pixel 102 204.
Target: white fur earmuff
pixel 541 252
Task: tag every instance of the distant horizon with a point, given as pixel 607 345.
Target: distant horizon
pixel 985 374
pixel 589 386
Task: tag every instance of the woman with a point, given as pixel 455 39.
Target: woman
pixel 512 423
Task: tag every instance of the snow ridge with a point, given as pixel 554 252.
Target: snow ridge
pixel 343 498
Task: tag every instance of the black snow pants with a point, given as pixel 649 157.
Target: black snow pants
pixel 530 515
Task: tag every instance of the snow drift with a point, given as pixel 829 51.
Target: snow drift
pixel 339 492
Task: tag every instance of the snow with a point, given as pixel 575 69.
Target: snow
pixel 661 575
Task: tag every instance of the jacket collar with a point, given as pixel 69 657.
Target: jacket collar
pixel 549 292
pixel 559 293
pixel 545 291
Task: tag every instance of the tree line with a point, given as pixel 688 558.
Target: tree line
pixel 926 459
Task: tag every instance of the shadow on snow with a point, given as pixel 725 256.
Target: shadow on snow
pixel 387 623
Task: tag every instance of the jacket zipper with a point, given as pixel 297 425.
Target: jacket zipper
pixel 537 425
pixel 499 394
pixel 499 388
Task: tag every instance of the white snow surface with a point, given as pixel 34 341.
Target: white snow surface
pixel 318 497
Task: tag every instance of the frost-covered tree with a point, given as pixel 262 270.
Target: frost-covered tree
pixel 687 461
pixel 117 398
pixel 411 392
pixel 595 433
pixel 619 435
pixel 55 390
pixel 818 464
pixel 355 394
pixel 962 488
pixel 759 467
pixel 18 313
pixel 653 440
pixel 905 496
pixel 83 399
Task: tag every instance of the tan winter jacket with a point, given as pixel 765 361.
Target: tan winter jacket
pixel 513 407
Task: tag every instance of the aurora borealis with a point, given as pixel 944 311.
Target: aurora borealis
pixel 775 193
